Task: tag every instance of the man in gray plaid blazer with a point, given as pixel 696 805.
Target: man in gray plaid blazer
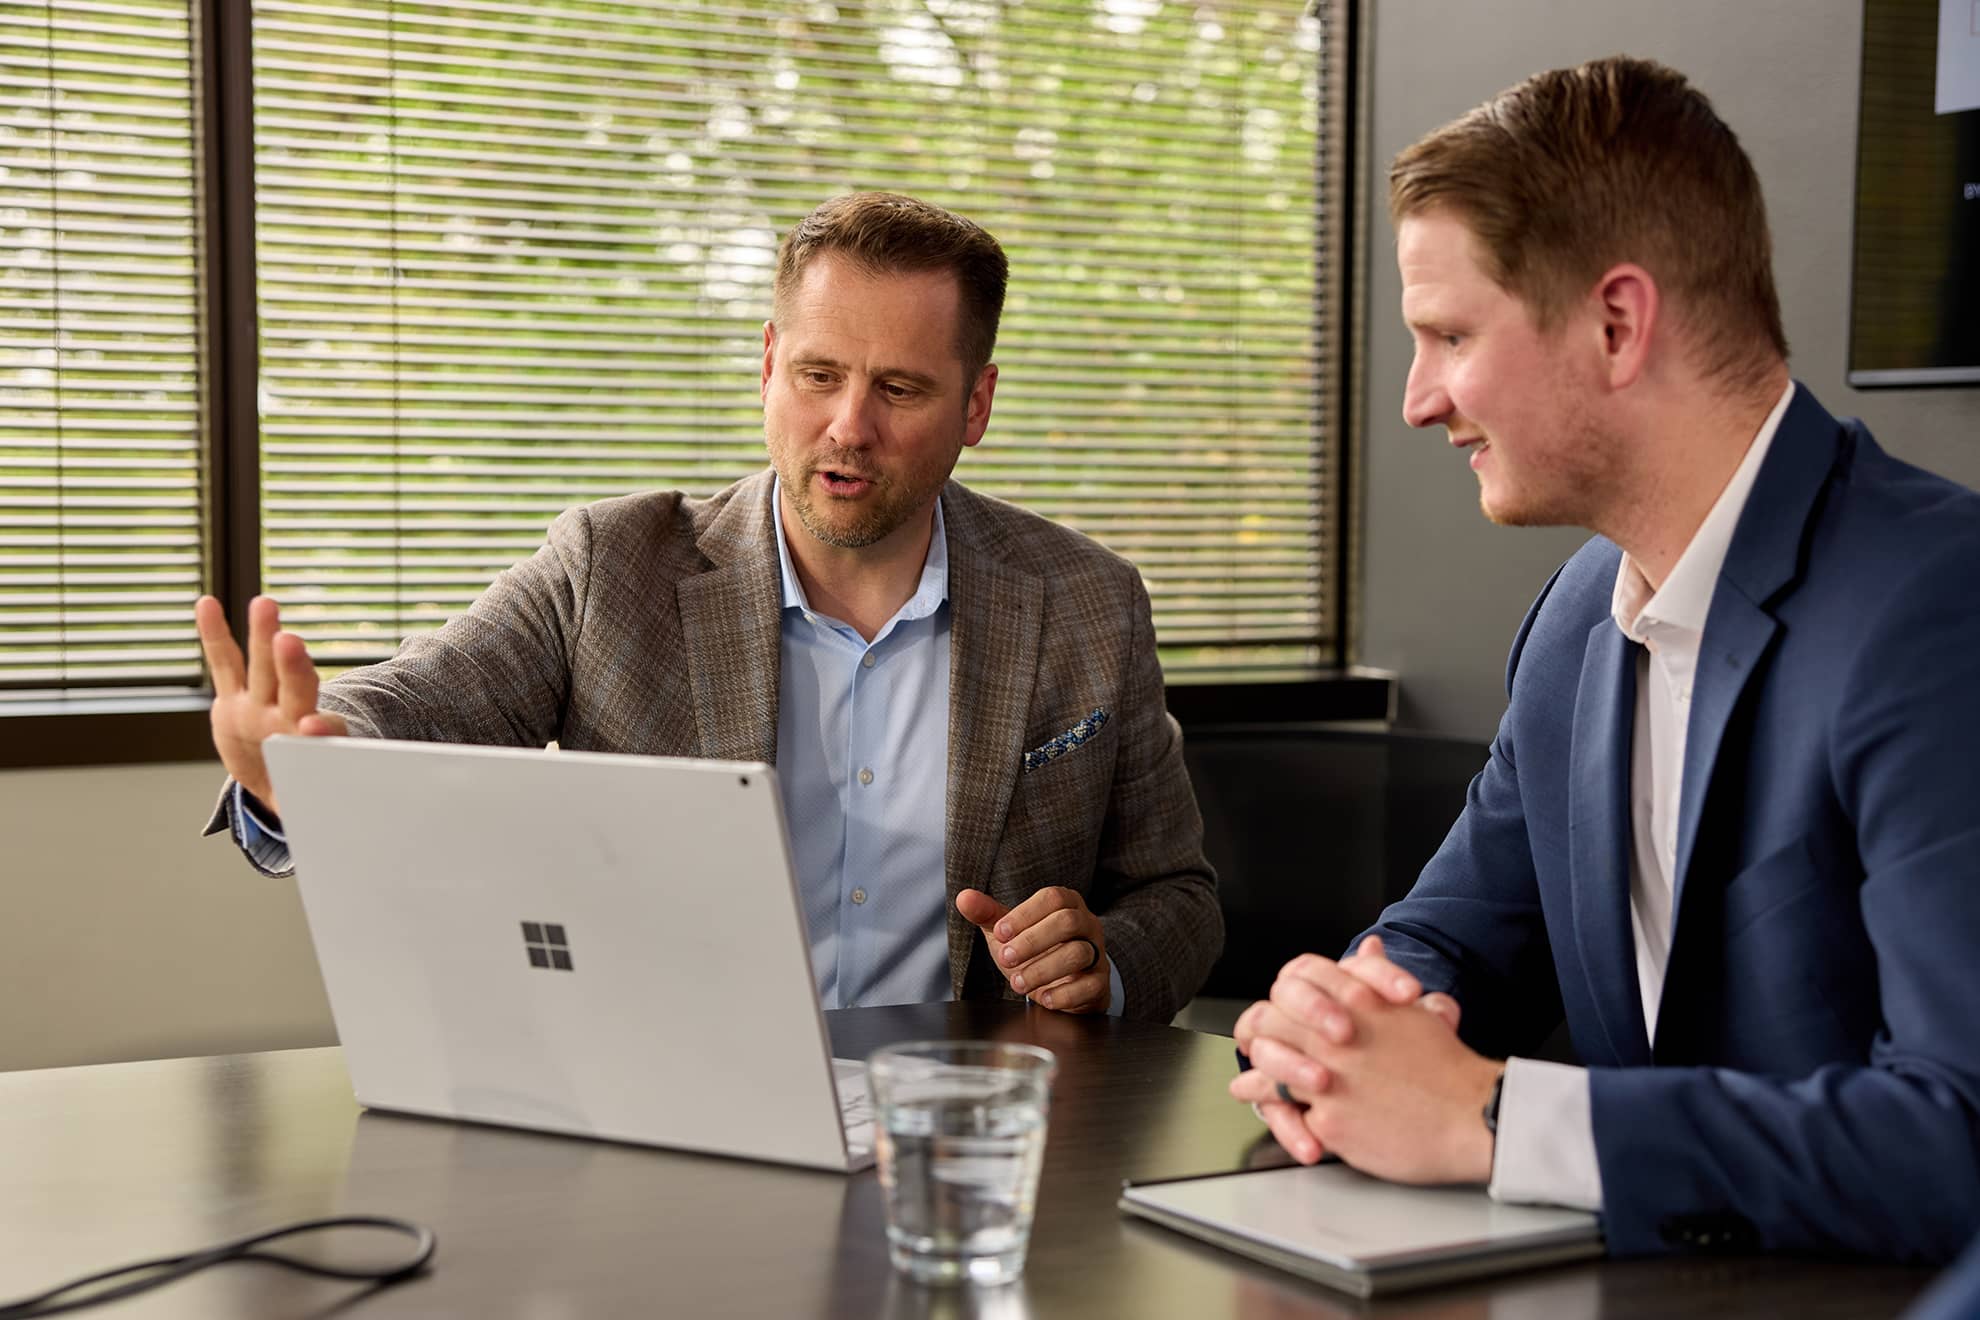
pixel 850 607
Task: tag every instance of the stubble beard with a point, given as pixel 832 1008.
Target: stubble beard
pixel 888 506
pixel 878 516
pixel 1582 484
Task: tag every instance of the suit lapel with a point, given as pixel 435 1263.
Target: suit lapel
pixel 1599 837
pixel 996 616
pixel 1735 638
pixel 1763 561
pixel 731 620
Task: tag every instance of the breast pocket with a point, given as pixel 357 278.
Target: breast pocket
pixel 1781 885
pixel 1049 751
pixel 1058 809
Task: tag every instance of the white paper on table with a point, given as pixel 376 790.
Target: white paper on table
pixel 1959 57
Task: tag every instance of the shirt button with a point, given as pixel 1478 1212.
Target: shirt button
pixel 866 661
pixel 859 895
pixel 865 776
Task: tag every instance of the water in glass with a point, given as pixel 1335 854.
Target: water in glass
pixel 960 1151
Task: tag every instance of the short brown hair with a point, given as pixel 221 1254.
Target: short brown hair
pixel 886 232
pixel 1619 159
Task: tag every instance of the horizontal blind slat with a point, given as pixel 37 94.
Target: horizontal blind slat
pixel 100 522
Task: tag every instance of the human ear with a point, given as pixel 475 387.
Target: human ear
pixel 977 411
pixel 1628 304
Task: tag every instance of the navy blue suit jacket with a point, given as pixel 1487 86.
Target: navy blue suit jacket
pixel 1815 1078
pixel 1954 1295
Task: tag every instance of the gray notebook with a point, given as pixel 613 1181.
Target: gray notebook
pixel 1362 1235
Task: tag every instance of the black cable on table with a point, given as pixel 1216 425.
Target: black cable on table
pixel 167 1269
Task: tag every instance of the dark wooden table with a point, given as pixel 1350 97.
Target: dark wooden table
pixel 107 1164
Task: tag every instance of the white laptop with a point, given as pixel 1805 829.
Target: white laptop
pixel 608 946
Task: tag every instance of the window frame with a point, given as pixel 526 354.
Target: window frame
pixel 171 724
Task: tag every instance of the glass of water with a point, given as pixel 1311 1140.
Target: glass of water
pixel 961 1137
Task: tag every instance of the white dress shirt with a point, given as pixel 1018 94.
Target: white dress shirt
pixel 1546 1140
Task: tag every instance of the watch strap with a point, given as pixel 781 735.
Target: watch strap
pixel 1492 1104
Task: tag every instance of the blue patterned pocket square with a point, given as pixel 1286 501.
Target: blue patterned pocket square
pixel 1054 748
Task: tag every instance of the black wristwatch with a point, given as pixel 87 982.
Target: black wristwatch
pixel 1492 1105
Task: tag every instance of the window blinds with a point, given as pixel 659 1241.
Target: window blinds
pixel 100 532
pixel 514 256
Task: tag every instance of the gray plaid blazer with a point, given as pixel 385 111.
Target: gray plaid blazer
pixel 651 624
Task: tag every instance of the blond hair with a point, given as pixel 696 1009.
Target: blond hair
pixel 1619 159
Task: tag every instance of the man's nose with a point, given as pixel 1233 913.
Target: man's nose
pixel 1425 401
pixel 854 424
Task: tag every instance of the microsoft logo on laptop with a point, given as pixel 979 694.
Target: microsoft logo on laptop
pixel 547 946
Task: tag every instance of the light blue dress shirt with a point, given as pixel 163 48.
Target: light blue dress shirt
pixel 863 761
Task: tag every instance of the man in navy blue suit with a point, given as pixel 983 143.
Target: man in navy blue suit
pixel 1729 829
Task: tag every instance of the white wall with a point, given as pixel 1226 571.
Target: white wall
pixel 1442 589
pixel 125 935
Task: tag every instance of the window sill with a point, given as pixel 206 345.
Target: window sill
pixel 1334 696
pixel 166 727
pixel 62 731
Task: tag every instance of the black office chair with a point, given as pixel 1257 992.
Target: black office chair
pixel 1313 829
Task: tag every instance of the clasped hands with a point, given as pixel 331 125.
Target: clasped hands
pixel 1374 1066
pixel 1041 947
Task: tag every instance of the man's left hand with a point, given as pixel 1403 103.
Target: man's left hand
pixel 1051 948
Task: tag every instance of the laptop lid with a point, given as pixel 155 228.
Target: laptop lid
pixel 1360 1234
pixel 609 946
